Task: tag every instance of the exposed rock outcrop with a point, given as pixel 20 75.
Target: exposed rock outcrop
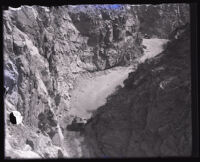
pixel 113 34
pixel 44 52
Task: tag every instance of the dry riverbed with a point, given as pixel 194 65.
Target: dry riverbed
pixel 92 89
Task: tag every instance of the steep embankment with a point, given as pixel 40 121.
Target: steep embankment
pixel 151 115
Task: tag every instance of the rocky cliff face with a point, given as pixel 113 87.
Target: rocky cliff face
pixel 151 115
pixel 45 50
pixel 113 34
pixel 161 20
pixel 38 55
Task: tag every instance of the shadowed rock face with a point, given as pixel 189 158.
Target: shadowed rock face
pixel 161 20
pixel 151 115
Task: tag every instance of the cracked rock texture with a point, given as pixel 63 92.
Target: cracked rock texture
pixel 47 48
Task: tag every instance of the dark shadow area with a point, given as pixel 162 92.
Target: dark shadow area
pixel 13 118
pixel 76 126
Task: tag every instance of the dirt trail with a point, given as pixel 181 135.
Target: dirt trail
pixel 92 90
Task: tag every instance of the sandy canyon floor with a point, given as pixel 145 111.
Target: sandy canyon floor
pixel 92 89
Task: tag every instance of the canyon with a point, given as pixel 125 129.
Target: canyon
pixel 89 84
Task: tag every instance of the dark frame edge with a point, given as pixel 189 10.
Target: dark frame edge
pixel 194 67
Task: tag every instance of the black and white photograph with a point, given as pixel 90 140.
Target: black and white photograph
pixel 97 81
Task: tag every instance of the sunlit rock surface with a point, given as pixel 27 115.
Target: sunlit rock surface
pixel 44 52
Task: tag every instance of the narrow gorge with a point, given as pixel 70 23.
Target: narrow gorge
pixel 97 81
